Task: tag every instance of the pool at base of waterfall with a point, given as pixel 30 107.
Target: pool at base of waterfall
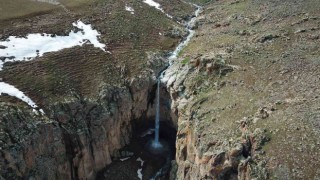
pixel 157 147
pixel 141 160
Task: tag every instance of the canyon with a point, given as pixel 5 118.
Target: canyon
pixel 238 101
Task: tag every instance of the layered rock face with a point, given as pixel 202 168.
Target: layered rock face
pixel 90 97
pixel 81 140
pixel 219 157
pixel 243 96
pixel 245 92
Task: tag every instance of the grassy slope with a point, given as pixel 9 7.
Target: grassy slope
pixel 82 70
pixel 282 73
pixel 22 8
pixel 17 8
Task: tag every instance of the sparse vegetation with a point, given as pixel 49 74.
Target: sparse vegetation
pixel 185 61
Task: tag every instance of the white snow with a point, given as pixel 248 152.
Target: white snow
pixel 157 6
pixel 130 9
pixel 153 4
pixel 140 170
pixel 124 159
pixel 139 173
pixel 141 161
pixel 8 89
pixel 26 48
pixel 90 34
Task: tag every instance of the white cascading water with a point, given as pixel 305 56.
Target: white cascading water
pixel 156 143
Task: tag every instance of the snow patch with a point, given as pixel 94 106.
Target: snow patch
pixel 130 9
pixel 10 90
pixel 157 6
pixel 153 4
pixel 124 159
pixel 23 49
pixel 139 172
pixel 141 161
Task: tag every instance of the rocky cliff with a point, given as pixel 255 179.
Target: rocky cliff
pixel 91 98
pixel 76 138
pixel 243 94
pixel 245 89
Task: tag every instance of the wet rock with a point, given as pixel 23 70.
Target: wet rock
pixel 126 154
pixel 173 170
pixel 156 62
pixel 11 57
pixel 176 32
pixel 194 25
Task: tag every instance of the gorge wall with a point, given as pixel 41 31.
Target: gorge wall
pixel 78 140
pixel 243 95
pixel 91 98
pixel 245 92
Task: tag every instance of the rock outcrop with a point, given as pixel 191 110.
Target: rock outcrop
pixel 91 98
pixel 76 138
pixel 244 92
pixel 243 97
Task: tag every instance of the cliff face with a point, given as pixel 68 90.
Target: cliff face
pixel 245 92
pixel 78 139
pixel 91 98
pixel 221 152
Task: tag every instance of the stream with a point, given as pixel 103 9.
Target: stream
pixel 164 79
pixel 152 148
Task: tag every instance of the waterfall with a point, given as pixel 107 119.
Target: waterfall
pixel 156 143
